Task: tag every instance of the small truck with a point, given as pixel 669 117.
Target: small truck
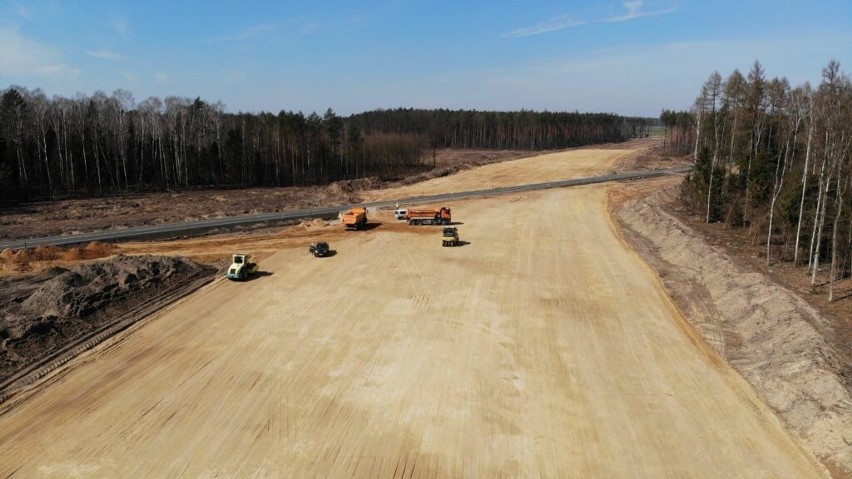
pixel 450 236
pixel 241 267
pixel 319 249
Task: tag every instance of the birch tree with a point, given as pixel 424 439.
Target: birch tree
pixel 792 121
pixel 804 103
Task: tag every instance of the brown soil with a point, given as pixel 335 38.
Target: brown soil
pixel 45 313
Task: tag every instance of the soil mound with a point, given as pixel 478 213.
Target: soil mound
pixel 354 186
pixel 45 253
pixel 313 224
pixel 97 249
pixel 345 191
pixel 74 302
pixel 73 254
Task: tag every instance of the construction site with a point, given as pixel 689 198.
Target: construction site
pixel 559 332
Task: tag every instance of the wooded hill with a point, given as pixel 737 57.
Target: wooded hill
pixel 106 144
pixel 776 159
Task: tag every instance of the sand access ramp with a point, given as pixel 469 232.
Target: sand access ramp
pixel 540 347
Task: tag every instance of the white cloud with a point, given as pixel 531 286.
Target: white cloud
pixel 107 55
pixel 634 10
pixel 242 35
pixel 161 77
pixel 557 23
pixel 59 70
pixel 235 75
pixel 630 79
pixel 23 57
pixel 120 25
pixel 633 7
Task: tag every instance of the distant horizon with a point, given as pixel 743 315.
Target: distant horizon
pixel 631 58
pixel 136 103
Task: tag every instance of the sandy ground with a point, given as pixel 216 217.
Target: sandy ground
pixel 541 347
pixel 537 169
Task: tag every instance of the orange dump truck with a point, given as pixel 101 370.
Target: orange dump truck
pixel 354 219
pixel 429 216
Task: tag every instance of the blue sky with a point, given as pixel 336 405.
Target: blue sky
pixel 627 57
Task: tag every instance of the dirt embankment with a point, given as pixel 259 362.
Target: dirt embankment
pixel 42 315
pixel 766 332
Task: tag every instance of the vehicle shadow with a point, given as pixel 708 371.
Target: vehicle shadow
pixel 462 243
pixel 259 274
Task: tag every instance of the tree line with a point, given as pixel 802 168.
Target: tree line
pixel 511 130
pixel 104 144
pixel 776 159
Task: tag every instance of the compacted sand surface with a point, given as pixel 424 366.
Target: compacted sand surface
pixel 543 346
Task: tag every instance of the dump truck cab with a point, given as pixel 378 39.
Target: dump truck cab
pixel 241 267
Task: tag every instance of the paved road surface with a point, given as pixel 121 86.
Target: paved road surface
pixel 542 347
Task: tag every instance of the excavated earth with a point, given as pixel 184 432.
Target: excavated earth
pixel 395 383
pixel 46 313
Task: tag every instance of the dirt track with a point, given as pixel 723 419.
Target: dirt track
pixel 543 346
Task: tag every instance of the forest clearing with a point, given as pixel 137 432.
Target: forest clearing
pixel 424 239
pixel 586 368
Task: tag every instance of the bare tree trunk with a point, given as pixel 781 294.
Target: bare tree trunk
pixel 22 167
pixel 95 150
pixel 697 134
pixel 787 158
pixel 816 238
pixel 839 206
pixel 733 135
pixel 775 192
pixel 39 122
pixel 804 189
